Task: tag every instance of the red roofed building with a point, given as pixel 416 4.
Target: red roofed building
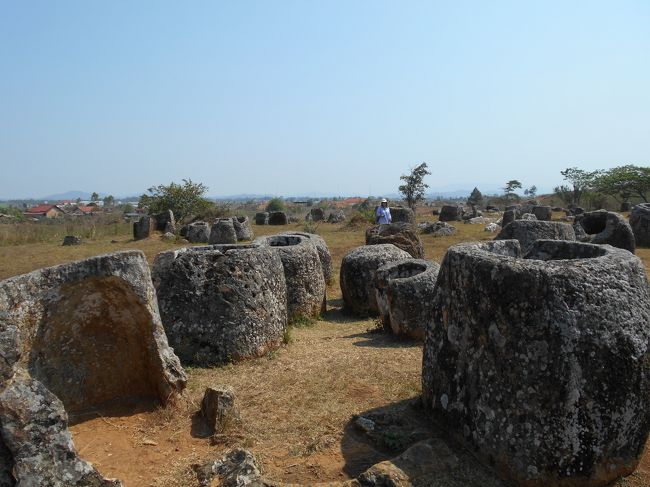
pixel 44 211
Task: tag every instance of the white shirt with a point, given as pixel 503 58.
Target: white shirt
pixel 383 214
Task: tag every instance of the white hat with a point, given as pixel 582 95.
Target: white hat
pixel 384 200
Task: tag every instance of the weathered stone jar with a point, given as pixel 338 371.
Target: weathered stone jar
pixel 640 223
pixel 605 227
pixel 358 273
pixel 78 336
pixel 527 232
pixel 223 231
pixel 303 274
pixel 323 252
pixel 402 235
pixel 541 364
pixel 404 292
pixel 222 302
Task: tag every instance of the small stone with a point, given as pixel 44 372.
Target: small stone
pixel 218 407
pixel 71 240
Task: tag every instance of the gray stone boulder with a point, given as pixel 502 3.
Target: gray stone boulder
pixel 243 228
pixel 540 364
pixel 605 227
pixel 449 213
pixel 303 273
pixel 221 303
pixel 508 216
pixel 323 252
pixel 529 231
pixel 198 232
pixel 143 227
pixel 71 240
pixel 218 407
pixel 262 218
pixel 528 216
pixel 404 293
pixel 315 215
pixel 542 213
pixel 79 335
pixel 168 237
pixel 223 232
pixel 437 229
pixel 358 274
pixel 165 221
pixel 402 235
pixel 278 218
pixel 640 223
pixel 35 428
pixel 336 217
pixel 401 214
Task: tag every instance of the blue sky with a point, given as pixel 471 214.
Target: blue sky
pixel 323 97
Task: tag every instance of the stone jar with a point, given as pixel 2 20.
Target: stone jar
pixel 358 274
pixel 541 364
pixel 221 303
pixel 404 292
pixel 303 274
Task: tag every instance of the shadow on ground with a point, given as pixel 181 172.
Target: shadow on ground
pixel 378 338
pixel 336 313
pixel 384 433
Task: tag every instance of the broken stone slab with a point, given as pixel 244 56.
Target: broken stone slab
pixel 605 227
pixel 358 274
pixel 223 232
pixel 89 331
pixel 303 273
pixel 221 303
pixel 34 428
pixel 404 293
pixel 323 252
pixel 218 407
pixel 401 235
pixel 143 227
pixel 640 223
pixel 539 363
pixel 527 232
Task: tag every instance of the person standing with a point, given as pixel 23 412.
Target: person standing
pixel 382 215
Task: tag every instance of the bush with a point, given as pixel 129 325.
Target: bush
pixel 276 204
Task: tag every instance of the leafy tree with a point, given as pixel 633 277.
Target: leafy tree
pixel 276 204
pixel 475 199
pixel 510 187
pixel 414 187
pixel 183 199
pixel 94 197
pixel 109 201
pixel 531 192
pixel 580 182
pixel 565 193
pixel 624 181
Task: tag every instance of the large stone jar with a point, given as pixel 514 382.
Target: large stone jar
pixel 640 223
pixel 358 273
pixel 404 291
pixel 323 252
pixel 527 232
pixel 221 303
pixel 303 274
pixel 541 364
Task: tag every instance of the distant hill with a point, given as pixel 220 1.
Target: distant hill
pixel 68 195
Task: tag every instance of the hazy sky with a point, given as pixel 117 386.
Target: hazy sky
pixel 312 96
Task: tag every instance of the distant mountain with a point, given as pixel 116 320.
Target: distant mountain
pixel 69 195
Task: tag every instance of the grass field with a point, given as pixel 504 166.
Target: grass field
pixel 296 404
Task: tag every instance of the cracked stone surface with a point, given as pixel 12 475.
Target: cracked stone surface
pixel 541 364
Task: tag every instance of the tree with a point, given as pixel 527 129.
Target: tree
pixel 531 192
pixel 276 204
pixel 510 187
pixel 580 181
pixel 183 199
pixel 109 201
pixel 475 199
pixel 94 197
pixel 414 187
pixel 624 181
